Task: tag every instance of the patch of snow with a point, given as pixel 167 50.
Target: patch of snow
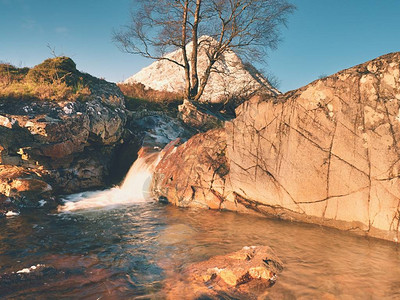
pixel 68 110
pixel 30 269
pixel 27 109
pixel 12 213
pixel 363 79
pixel 161 130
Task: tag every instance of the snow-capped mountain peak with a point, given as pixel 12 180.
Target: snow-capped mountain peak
pixel 231 77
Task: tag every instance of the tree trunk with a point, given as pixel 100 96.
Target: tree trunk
pixel 184 53
pixel 194 75
pixel 204 79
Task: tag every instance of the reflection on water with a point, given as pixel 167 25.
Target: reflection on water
pixel 128 252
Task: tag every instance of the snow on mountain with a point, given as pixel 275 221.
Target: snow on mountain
pixel 231 78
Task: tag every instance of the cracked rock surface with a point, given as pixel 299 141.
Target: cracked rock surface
pixel 327 153
pixel 194 174
pixel 56 147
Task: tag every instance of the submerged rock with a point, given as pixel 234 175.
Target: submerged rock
pixel 245 274
pixel 57 272
pixel 19 182
pixel 327 153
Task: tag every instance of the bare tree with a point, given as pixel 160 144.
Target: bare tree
pixel 248 27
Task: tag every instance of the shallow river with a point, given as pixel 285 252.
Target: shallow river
pixel 127 252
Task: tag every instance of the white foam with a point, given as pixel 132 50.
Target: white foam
pixel 134 189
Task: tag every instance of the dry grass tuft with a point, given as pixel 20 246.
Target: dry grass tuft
pixel 55 79
pixel 139 91
pixel 138 97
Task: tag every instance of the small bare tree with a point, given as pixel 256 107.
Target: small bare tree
pixel 248 27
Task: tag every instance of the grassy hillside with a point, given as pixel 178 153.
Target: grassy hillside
pixel 57 79
pixel 54 79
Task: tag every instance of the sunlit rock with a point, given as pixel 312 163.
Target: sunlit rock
pixel 245 274
pixel 327 153
pixel 194 174
pixel 59 145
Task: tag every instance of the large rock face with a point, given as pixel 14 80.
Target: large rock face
pixel 194 174
pixel 327 153
pixel 233 78
pixel 68 145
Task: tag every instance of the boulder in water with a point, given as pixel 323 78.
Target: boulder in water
pixel 245 274
pixel 194 174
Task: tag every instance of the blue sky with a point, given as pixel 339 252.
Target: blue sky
pixel 322 37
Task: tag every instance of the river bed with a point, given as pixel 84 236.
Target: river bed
pixel 127 252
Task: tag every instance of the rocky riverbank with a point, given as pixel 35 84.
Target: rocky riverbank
pixel 55 146
pixel 327 153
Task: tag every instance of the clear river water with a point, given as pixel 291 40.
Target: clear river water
pixel 119 244
pixel 128 251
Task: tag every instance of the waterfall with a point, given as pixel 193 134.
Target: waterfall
pixel 135 188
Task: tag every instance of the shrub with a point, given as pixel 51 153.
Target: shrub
pixel 54 79
pixel 138 97
pixel 10 73
pixel 53 69
pixel 140 91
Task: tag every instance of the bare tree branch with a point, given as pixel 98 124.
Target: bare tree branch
pixel 250 27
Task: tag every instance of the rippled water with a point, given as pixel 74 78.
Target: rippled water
pixel 127 252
